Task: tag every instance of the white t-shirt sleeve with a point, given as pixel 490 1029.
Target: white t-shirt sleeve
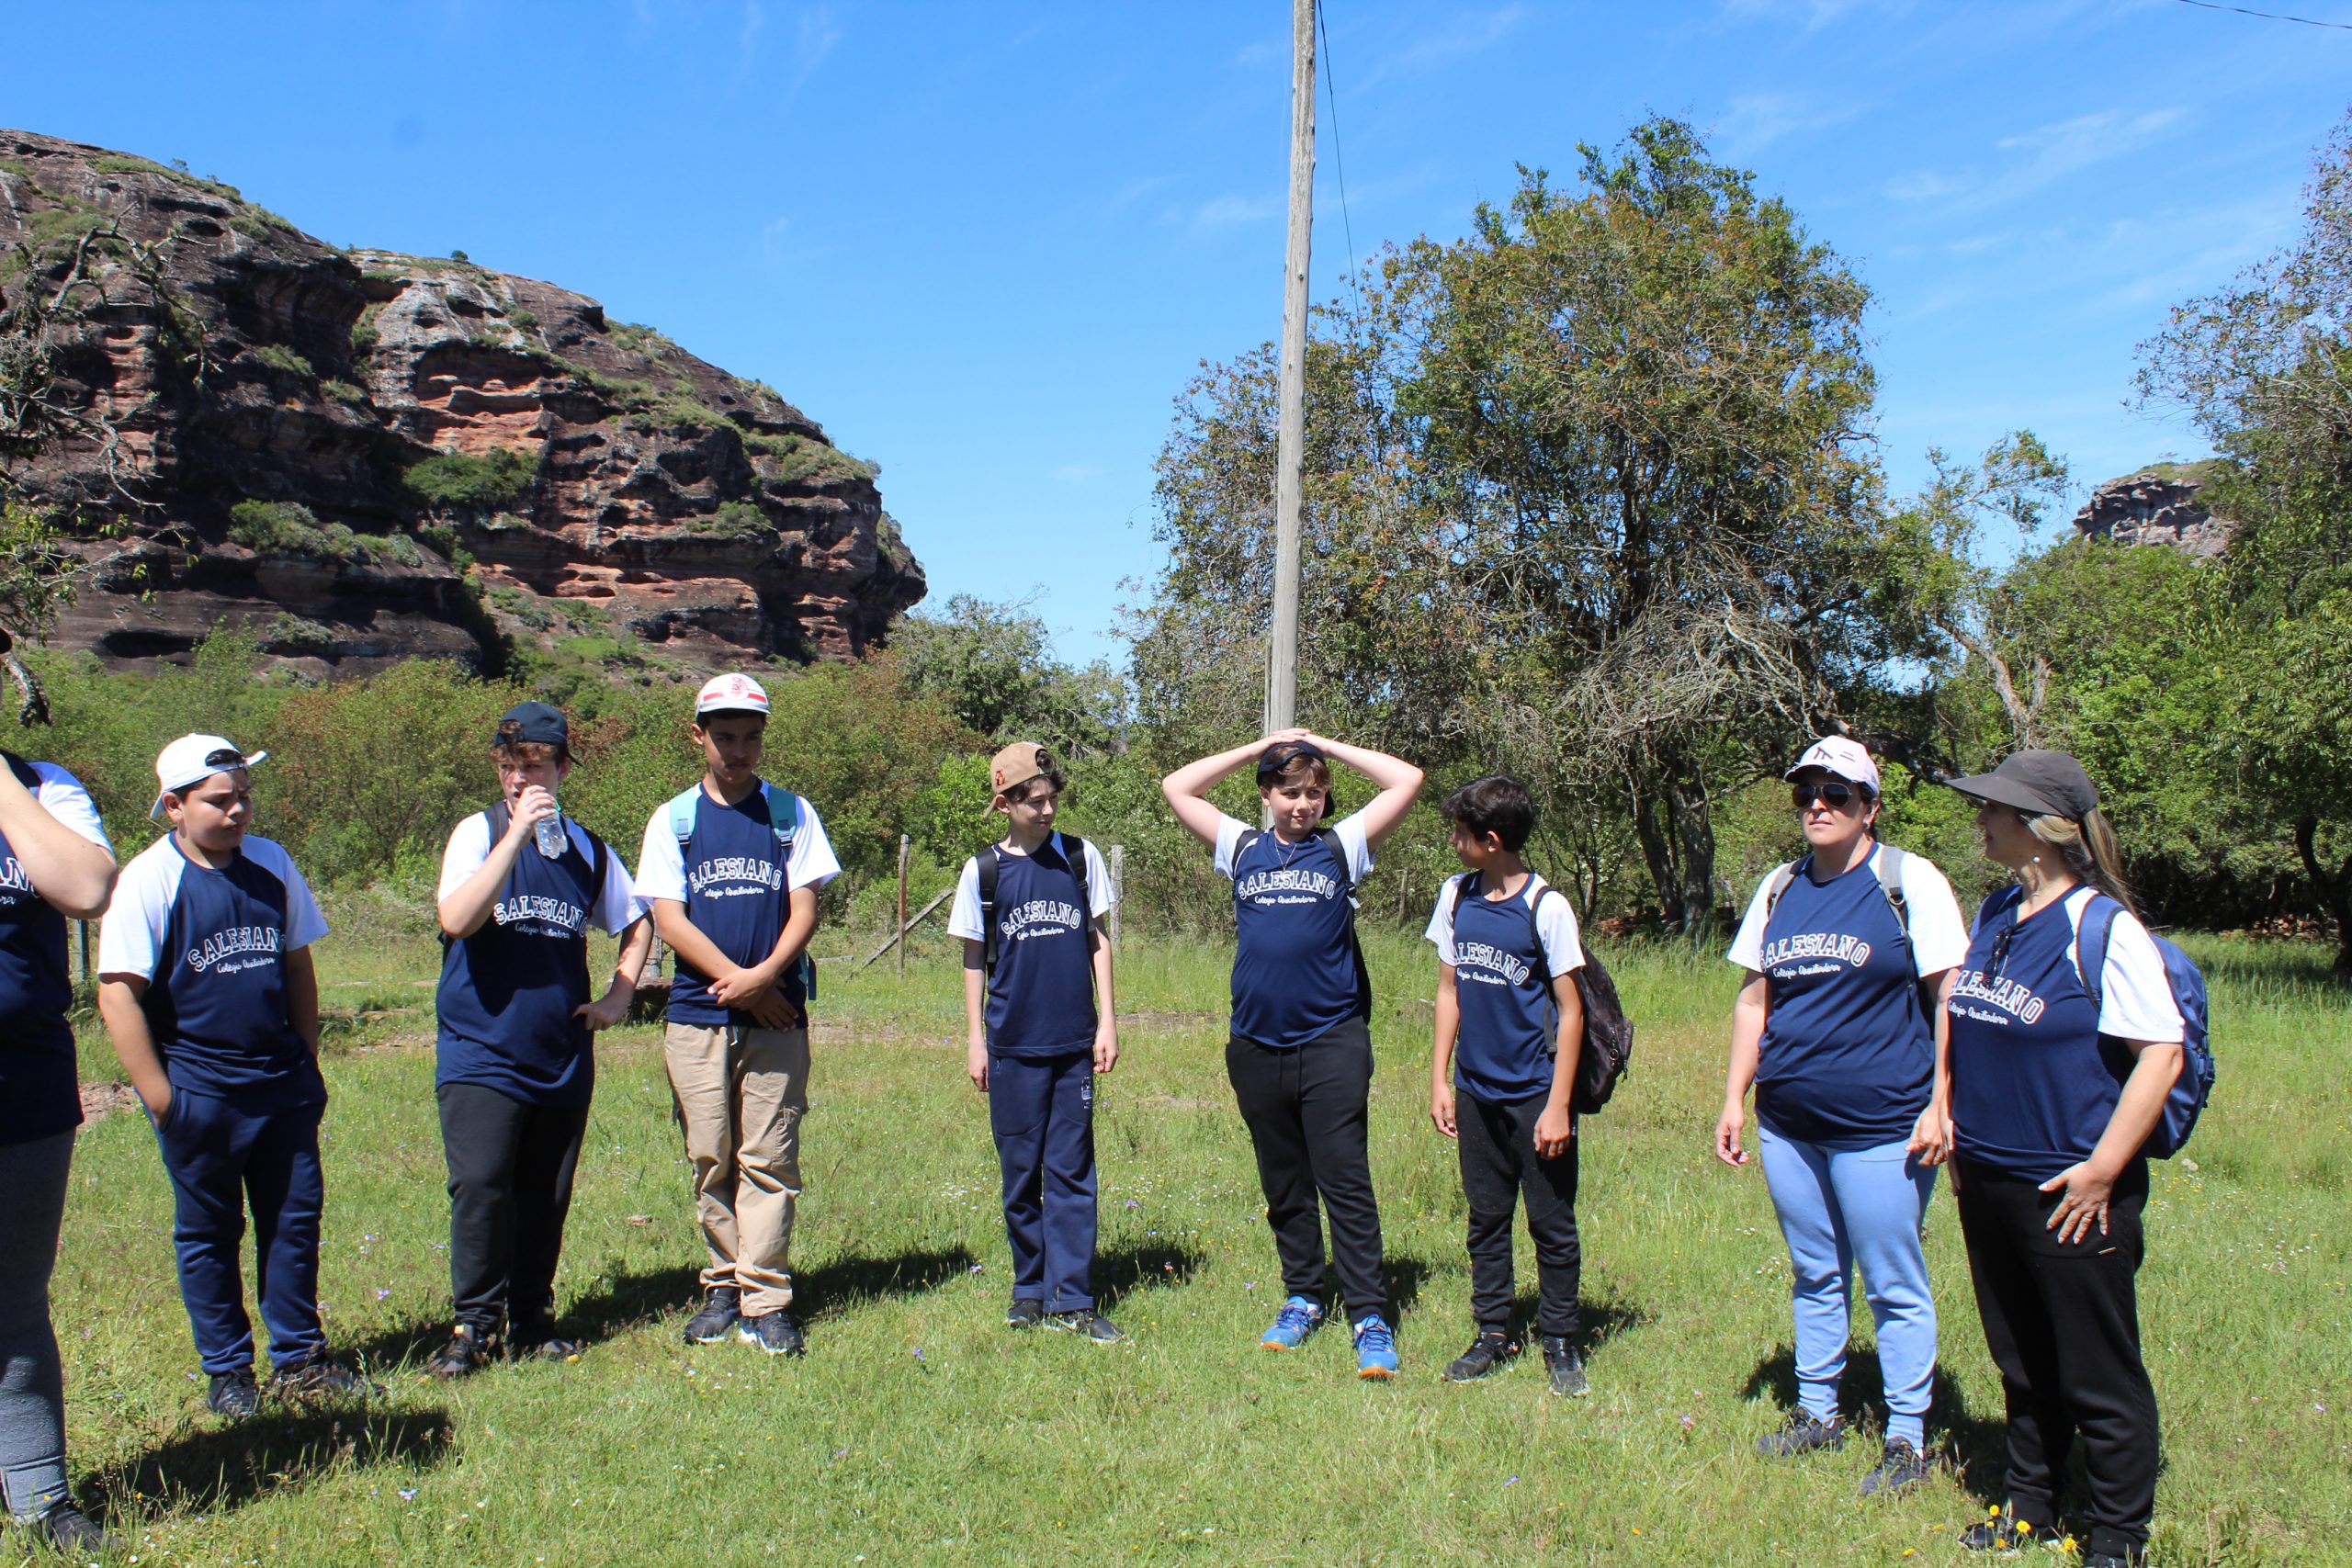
pixel 1938 931
pixel 131 934
pixel 1556 928
pixel 1440 927
pixel 1100 894
pixel 812 864
pixel 305 921
pixel 963 913
pixel 1355 843
pixel 660 866
pixel 1747 942
pixel 2135 995
pixel 62 797
pixel 1228 834
pixel 618 904
pixel 467 848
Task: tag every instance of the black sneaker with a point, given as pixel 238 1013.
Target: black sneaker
pixel 1086 1323
pixel 774 1332
pixel 1564 1367
pixel 1900 1467
pixel 1804 1433
pixel 2116 1559
pixel 320 1379
pixel 1026 1312
pixel 2003 1532
pixel 469 1350
pixel 542 1342
pixel 1487 1354
pixel 721 1310
pixel 233 1396
pixel 68 1529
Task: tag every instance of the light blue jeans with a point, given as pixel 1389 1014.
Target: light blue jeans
pixel 1837 1208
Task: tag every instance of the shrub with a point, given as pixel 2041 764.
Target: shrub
pixel 277 356
pixel 288 529
pixel 453 479
pixel 343 391
pixel 799 462
pixel 733 520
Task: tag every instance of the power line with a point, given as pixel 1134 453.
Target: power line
pixel 1339 166
pixel 2215 6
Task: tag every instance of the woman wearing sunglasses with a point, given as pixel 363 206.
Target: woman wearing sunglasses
pixel 2057 1080
pixel 1847 951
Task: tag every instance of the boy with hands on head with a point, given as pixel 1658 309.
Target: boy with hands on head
pixel 1040 1023
pixel 1300 1055
pixel 1509 1024
pixel 731 868
pixel 205 982
pixel 516 1064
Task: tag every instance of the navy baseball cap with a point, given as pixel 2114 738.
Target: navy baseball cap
pixel 535 723
pixel 1282 753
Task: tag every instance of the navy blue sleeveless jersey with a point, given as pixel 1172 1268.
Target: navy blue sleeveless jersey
pixel 2033 1077
pixel 735 874
pixel 1849 1054
pixel 1293 968
pixel 39 1093
pixel 212 946
pixel 1508 1043
pixel 1041 998
pixel 508 992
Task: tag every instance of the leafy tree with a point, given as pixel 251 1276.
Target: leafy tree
pixel 993 666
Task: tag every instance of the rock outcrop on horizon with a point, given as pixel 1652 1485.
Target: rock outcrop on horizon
pixel 359 456
pixel 2157 505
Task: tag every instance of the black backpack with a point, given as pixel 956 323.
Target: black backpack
pixel 1355 948
pixel 1073 850
pixel 1608 1053
pixel 500 816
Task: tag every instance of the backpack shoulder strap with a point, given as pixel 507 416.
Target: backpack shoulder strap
pixel 989 870
pixel 1074 849
pixel 1532 902
pixel 599 860
pixel 500 816
pixel 1241 844
pixel 2091 939
pixel 1890 882
pixel 1462 885
pixel 768 793
pixel 1784 876
pixel 682 814
pixel 1331 842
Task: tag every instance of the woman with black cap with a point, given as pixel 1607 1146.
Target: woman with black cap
pixel 1845 953
pixel 2060 1063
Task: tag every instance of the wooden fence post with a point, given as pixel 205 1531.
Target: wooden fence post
pixel 1118 890
pixel 906 846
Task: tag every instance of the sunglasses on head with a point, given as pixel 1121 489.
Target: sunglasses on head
pixel 224 757
pixel 1834 793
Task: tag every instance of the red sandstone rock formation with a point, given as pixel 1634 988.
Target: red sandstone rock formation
pixel 2156 506
pixel 323 438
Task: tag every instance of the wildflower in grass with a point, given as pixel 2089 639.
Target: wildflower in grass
pixel 382 1293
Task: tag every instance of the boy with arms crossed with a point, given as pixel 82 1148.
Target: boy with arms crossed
pixel 1039 1023
pixel 1300 1058
pixel 731 868
pixel 205 983
pixel 516 1066
pixel 1507 992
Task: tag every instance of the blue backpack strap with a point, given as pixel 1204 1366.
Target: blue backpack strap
pixel 682 815
pixel 2090 945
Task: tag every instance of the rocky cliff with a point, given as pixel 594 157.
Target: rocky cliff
pixel 361 456
pixel 2157 505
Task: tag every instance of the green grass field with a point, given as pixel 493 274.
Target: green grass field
pixel 920 1430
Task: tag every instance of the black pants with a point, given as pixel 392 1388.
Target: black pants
pixel 2062 1321
pixel 510 1187
pixel 1499 1164
pixel 1308 1112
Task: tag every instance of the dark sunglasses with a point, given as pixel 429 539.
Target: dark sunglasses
pixel 1830 792
pixel 224 757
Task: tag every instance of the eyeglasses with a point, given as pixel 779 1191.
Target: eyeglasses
pixel 1831 792
pixel 224 757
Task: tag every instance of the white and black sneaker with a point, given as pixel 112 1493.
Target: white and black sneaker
pixel 721 1310
pixel 774 1332
pixel 1804 1433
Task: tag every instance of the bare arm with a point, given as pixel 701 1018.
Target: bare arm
pixel 1557 1124
pixel 1446 1026
pixel 1106 1004
pixel 134 1044
pixel 976 1013
pixel 636 945
pixel 1748 1015
pixel 1398 781
pixel 465 907
pixel 302 996
pixel 2088 1185
pixel 1931 1137
pixel 1183 788
pixel 73 875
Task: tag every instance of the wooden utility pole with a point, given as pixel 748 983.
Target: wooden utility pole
pixel 1281 669
pixel 906 847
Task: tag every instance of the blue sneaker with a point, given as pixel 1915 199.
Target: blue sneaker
pixel 1298 1318
pixel 1376 1348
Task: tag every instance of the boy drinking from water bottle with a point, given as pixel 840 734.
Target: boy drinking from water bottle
pixel 1039 1024
pixel 515 1067
pixel 731 868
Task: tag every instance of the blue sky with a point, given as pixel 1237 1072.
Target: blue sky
pixel 986 245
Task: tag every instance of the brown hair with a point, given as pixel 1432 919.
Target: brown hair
pixel 1052 775
pixel 527 751
pixel 2088 849
pixel 1299 769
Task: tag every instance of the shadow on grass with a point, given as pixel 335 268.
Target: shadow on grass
pixel 836 1286
pixel 1597 1321
pixel 1405 1274
pixel 1121 1271
pixel 208 1472
pixel 1976 1445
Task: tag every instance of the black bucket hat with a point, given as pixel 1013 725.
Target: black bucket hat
pixel 2042 784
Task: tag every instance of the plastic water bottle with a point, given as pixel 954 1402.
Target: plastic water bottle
pixel 549 832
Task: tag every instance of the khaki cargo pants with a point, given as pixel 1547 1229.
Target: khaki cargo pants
pixel 742 1093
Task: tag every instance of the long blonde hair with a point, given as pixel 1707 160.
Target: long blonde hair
pixel 2089 851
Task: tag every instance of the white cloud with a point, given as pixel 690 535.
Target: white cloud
pixel 1076 473
pixel 1265 53
pixel 1224 211
pixel 1923 185
pixel 1756 120
pixel 1469 33
pixel 815 32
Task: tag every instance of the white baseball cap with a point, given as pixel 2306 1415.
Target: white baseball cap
pixel 731 692
pixel 1846 759
pixel 192 758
